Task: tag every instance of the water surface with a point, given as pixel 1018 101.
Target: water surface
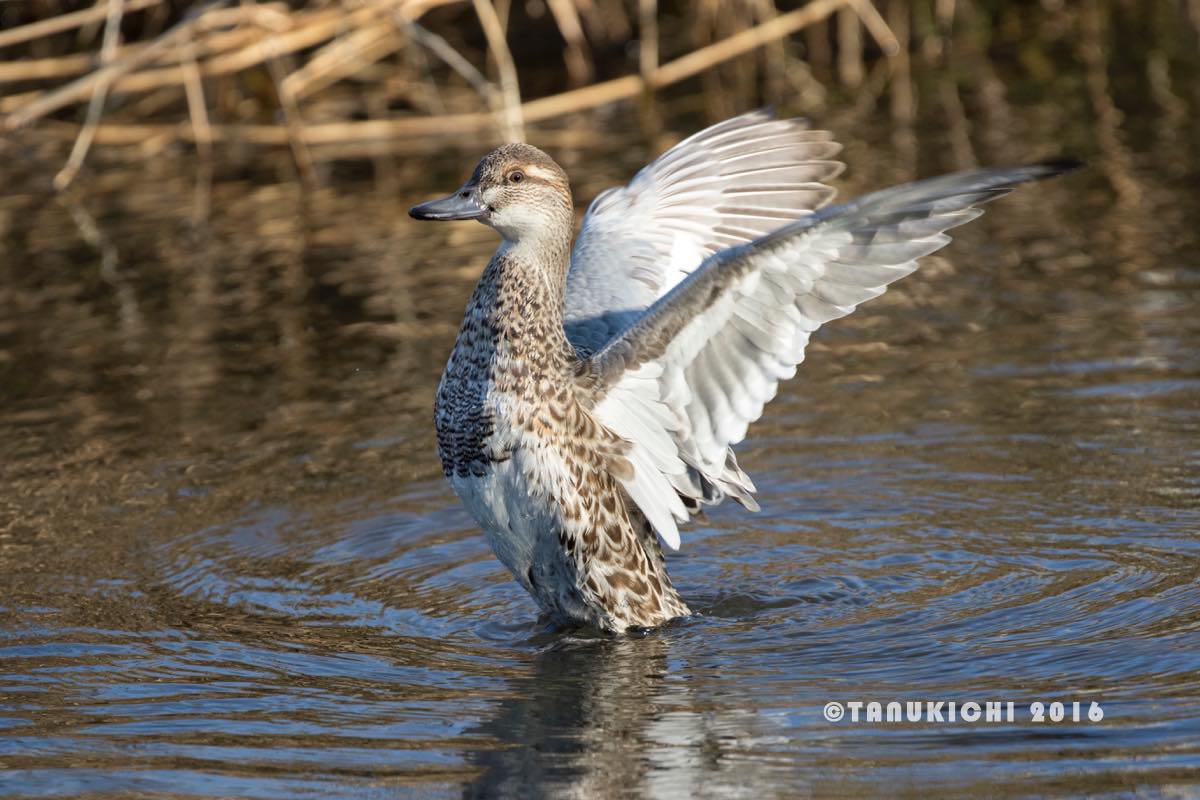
pixel 229 565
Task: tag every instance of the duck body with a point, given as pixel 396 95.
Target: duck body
pixel 520 448
pixel 594 393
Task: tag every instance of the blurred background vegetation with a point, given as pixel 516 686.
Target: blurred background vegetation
pixel 355 81
pixel 202 217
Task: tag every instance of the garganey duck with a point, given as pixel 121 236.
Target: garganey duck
pixel 594 393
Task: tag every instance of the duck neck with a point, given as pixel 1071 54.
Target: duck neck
pixel 524 284
pixel 541 253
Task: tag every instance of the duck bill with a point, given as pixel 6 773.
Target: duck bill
pixel 463 204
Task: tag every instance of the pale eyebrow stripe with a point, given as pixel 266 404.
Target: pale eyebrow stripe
pixel 538 172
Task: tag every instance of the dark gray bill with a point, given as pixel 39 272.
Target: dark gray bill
pixel 460 205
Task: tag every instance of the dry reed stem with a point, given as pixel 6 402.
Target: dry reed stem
pixel 451 58
pixel 743 42
pixel 14 101
pixel 342 58
pixel 774 54
pixel 849 55
pixel 83 143
pixel 44 69
pixel 66 22
pixel 493 30
pixel 503 12
pixel 298 31
pixel 577 56
pixel 647 38
pixel 903 98
pixel 879 29
pixel 320 26
pixel 323 143
pixel 202 134
pixel 818 50
pixel 267 16
pixel 647 33
pixel 105 76
pixel 293 122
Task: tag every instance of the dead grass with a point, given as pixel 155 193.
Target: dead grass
pixel 271 75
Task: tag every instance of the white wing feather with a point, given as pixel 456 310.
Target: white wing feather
pixel 724 186
pixel 697 367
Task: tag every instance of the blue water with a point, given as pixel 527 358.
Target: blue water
pixel 230 566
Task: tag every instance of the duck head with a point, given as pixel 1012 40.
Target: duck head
pixel 516 189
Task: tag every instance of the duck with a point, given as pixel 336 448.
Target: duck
pixel 596 388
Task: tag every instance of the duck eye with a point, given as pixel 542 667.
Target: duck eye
pixel 516 176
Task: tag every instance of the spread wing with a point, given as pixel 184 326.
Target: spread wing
pixel 684 381
pixel 724 186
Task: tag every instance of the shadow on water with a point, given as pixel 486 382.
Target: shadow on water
pixel 229 565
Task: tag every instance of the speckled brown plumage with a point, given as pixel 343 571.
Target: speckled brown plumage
pixel 509 400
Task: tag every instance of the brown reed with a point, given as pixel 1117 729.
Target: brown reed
pixel 198 68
